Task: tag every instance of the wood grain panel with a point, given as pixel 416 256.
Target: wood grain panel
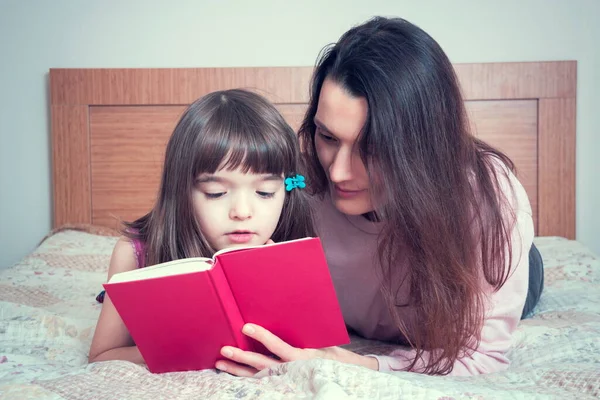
pixel 127 154
pixel 511 126
pixel 70 165
pixel 174 85
pixel 293 114
pixel 528 80
pixel 557 167
pixel 136 86
pixel 114 159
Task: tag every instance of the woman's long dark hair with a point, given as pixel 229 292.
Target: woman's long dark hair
pixel 436 184
pixel 229 129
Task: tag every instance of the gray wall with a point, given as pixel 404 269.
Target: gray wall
pixel 38 35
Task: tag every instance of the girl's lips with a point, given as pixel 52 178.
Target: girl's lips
pixel 240 237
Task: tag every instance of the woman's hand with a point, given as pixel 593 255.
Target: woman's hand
pixel 247 363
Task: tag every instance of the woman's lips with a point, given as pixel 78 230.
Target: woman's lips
pixel 347 194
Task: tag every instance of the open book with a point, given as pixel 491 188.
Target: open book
pixel 182 312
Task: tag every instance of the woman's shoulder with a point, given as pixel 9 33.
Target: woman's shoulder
pixel 510 186
pixel 323 211
pixel 318 203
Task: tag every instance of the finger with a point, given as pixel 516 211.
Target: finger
pixel 273 343
pixel 248 358
pixel 235 369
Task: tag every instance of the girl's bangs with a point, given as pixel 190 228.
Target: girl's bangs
pixel 251 150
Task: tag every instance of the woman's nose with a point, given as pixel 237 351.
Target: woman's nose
pixel 340 169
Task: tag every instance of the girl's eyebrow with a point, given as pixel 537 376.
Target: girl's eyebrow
pixel 272 177
pixel 209 178
pixel 214 178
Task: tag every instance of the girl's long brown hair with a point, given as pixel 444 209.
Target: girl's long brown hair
pixel 437 185
pixel 229 129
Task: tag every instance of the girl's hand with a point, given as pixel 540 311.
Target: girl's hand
pixel 247 363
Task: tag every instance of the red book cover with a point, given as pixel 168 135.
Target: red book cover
pixel 181 313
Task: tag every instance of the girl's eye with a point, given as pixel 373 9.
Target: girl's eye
pixel 266 195
pixel 214 195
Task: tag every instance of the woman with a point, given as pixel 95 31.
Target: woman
pixel 426 229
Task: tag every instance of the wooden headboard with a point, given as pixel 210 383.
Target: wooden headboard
pixel 110 128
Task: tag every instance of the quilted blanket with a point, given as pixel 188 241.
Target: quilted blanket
pixel 48 313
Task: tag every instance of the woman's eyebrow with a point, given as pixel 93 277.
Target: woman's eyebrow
pixel 322 126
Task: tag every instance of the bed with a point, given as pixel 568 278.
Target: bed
pixel 109 129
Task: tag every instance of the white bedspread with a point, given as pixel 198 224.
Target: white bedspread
pixel 48 313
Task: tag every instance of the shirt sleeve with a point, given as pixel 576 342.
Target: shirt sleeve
pixel 503 309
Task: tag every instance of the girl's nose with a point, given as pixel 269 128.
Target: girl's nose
pixel 241 209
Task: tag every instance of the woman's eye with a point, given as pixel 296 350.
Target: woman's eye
pixel 325 137
pixel 214 195
pixel 266 195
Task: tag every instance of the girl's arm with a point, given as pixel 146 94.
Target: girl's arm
pixel 111 339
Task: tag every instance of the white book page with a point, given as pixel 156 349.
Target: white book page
pixel 177 267
pixel 232 249
pixel 183 266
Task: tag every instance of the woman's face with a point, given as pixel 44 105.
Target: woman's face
pixel 339 121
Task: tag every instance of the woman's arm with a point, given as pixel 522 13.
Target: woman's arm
pixel 111 339
pixel 246 363
pixel 503 311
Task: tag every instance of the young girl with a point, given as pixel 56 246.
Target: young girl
pixel 222 186
pixel 426 229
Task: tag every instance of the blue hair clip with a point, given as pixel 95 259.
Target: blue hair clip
pixel 294 182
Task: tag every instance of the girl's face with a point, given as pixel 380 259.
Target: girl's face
pixel 339 121
pixel 237 209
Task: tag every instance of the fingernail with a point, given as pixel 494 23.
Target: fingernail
pixel 248 329
pixel 227 352
pixel 221 367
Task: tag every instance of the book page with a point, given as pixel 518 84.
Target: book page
pixel 177 267
pixel 183 266
pixel 242 248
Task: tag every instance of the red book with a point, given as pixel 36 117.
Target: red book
pixel 182 312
